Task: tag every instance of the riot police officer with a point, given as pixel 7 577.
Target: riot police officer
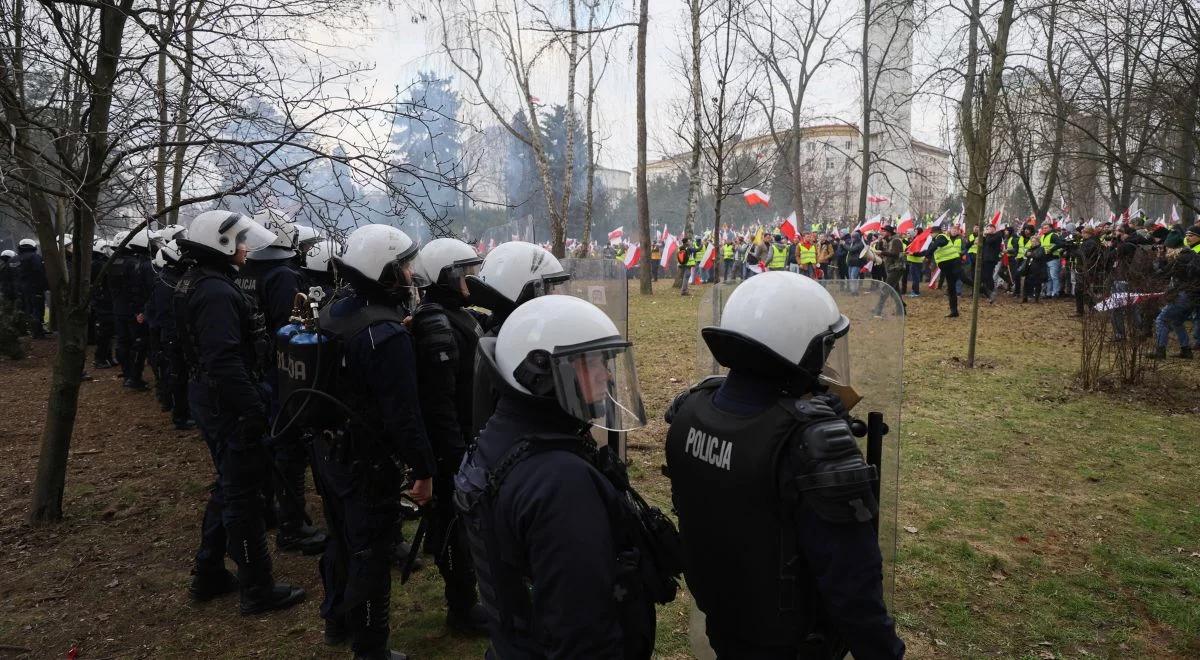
pixel 511 274
pixel 130 282
pixel 545 525
pixel 171 383
pixel 8 277
pixel 358 465
pixel 101 314
pixel 447 335
pixel 774 499
pixel 216 332
pixel 276 281
pixel 31 285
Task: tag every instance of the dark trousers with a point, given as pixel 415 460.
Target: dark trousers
pixel 916 270
pixel 951 275
pixel 234 501
pixel 987 285
pixel 1033 285
pixel 133 340
pixel 34 306
pixel 355 568
pixel 104 336
pixel 291 457
pixel 449 542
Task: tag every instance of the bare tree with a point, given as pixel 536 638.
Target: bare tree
pixel 643 195
pixel 792 40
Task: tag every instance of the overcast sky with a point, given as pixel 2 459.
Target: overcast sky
pixel 398 48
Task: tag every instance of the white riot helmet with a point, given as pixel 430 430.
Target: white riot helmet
pixel 27 243
pixel 565 348
pixel 284 229
pixel 140 240
pixel 221 232
pixel 513 273
pixel 169 233
pixel 781 324
pixel 168 253
pixel 318 256
pixel 445 262
pixel 8 254
pixel 377 254
pixel 306 237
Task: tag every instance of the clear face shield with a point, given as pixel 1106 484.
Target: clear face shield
pixel 248 233
pixel 597 383
pixel 835 371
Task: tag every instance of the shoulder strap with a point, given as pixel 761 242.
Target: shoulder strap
pixel 530 445
pixel 349 326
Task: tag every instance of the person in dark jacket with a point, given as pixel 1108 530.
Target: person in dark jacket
pixel 447 334
pixel 854 260
pixel 946 251
pixel 790 567
pixel 359 464
pixel 1183 269
pixel 1088 269
pixel 101 317
pixel 546 536
pixel 8 276
pixel 31 286
pixel 172 381
pixel 1034 270
pixel 990 248
pixel 216 332
pixel 130 281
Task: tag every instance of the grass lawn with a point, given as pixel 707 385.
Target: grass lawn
pixel 1048 522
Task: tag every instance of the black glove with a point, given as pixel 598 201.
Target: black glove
pixel 835 404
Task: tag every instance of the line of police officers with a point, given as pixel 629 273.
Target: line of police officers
pixel 396 387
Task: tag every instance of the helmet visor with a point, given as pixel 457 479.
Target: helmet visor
pixel 248 232
pixel 837 363
pixel 597 383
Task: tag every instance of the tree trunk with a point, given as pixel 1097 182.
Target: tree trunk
pixel 865 157
pixel 697 92
pixel 166 25
pixel 559 235
pixel 797 178
pixel 590 102
pixel 643 197
pixel 68 365
pixel 183 113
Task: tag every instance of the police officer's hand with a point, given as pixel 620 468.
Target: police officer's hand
pixel 422 491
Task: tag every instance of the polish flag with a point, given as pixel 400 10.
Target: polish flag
pixel 491 244
pixel 996 217
pixel 877 199
pixel 837 232
pixel 870 225
pixel 666 233
pixel 1134 209
pixel 670 246
pixel 788 227
pixel 632 256
pixel 1175 219
pixel 1118 300
pixel 921 241
pixel 756 197
pixel 616 234
pixel 1161 223
pixel 710 257
pixel 906 223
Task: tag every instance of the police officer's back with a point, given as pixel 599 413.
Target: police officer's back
pixel 31 285
pixel 546 524
pixel 774 499
pixel 358 464
pixel 8 277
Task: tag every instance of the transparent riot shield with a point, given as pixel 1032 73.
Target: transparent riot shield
pixel 872 369
pixel 605 284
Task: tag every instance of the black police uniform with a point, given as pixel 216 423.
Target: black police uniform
pixel 217 334
pixel 31 288
pixel 358 467
pixel 169 364
pixel 548 569
pixel 790 566
pixel 102 315
pixel 8 279
pixel 447 336
pixel 130 281
pixel 275 283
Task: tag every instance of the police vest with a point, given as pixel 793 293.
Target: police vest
pixel 808 255
pixel 949 252
pixel 189 342
pixel 740 553
pixel 778 257
pixel 115 279
pixel 1049 246
pixel 727 251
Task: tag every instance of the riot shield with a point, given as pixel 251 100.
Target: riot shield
pixel 872 368
pixel 605 284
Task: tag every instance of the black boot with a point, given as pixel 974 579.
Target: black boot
pixel 305 539
pixel 470 621
pixel 336 632
pixel 207 585
pixel 1185 352
pixel 267 598
pixel 185 424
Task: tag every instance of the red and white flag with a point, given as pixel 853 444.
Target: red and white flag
pixel 877 199
pixel 921 241
pixel 996 217
pixel 632 256
pixel 669 247
pixel 837 232
pixel 906 223
pixel 1175 219
pixel 1118 300
pixel 491 244
pixel 616 234
pixel 756 197
pixel 869 225
pixel 788 227
pixel 710 257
